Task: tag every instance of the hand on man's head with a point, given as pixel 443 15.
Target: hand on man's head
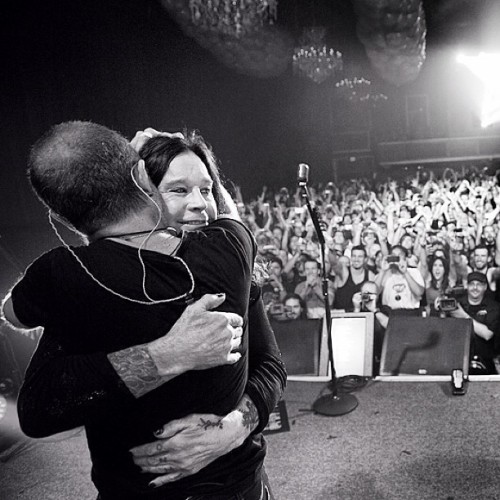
pixel 143 136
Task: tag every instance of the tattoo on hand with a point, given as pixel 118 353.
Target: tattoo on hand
pixel 207 424
pixel 250 416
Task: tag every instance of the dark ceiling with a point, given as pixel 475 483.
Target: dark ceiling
pixel 385 33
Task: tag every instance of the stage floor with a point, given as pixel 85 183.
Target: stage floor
pixel 404 441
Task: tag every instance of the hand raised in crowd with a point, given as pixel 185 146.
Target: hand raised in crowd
pixel 200 339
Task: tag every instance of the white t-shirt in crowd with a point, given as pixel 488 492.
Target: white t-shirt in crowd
pixel 396 292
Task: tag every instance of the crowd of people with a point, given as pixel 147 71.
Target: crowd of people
pixel 425 245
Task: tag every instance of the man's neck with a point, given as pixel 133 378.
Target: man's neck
pixel 133 224
pixel 357 274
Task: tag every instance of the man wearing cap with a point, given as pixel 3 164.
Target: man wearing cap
pixel 485 315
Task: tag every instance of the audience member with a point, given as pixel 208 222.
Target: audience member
pixel 366 300
pixel 401 287
pixel 485 315
pixel 311 290
pixel 273 290
pixel 350 274
pixel 295 307
pixel 438 282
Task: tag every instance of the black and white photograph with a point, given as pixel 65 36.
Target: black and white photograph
pixel 250 250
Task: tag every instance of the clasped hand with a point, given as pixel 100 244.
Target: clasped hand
pixel 187 445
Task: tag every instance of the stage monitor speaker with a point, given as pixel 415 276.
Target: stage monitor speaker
pixel 299 342
pixel 352 344
pixel 426 346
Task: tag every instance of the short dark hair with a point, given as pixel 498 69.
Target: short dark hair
pixel 360 248
pixel 82 171
pixel 277 260
pixel 402 248
pixel 303 304
pixel 159 151
pixel 481 246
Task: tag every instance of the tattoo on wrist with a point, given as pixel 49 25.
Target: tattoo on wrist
pixel 136 368
pixel 208 424
pixel 250 416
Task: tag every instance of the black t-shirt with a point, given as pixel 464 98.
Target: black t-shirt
pixel 84 318
pixel 487 313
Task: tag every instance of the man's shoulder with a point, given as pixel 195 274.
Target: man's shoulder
pixel 51 258
pixel 491 304
pixel 224 228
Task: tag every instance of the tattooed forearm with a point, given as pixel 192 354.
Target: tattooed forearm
pixel 137 370
pixel 250 414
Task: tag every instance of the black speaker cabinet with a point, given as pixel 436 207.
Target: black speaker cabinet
pixel 426 346
pixel 299 342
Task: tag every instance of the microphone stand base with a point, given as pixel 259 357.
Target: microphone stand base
pixel 334 406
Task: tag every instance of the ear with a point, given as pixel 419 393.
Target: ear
pixel 143 179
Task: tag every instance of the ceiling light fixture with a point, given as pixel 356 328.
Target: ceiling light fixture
pixel 312 59
pixel 232 17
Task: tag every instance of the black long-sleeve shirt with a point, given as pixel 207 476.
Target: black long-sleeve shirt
pixel 70 381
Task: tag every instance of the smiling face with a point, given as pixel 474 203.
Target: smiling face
pixel 476 291
pixel 358 259
pixel 186 190
pixel 480 258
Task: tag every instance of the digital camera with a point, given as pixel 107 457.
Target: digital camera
pixel 447 304
pixel 279 312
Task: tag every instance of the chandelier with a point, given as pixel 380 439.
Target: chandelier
pixel 313 59
pixel 232 17
pixel 359 90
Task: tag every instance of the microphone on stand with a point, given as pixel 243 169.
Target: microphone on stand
pixel 336 403
pixel 303 174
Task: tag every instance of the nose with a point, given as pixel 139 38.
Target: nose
pixel 197 200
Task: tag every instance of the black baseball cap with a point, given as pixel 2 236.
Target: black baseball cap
pixel 476 276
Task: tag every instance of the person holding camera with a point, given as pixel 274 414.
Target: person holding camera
pixel 292 308
pixel 485 315
pixel 438 282
pixel 311 290
pixel 366 300
pixel 273 290
pixel 401 286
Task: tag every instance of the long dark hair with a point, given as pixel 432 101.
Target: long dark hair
pixel 446 282
pixel 159 151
